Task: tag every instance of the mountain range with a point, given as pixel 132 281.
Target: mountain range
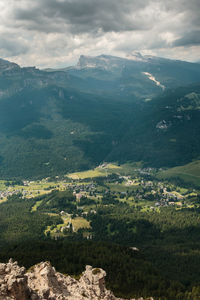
pixel 139 108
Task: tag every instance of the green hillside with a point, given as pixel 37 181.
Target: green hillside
pixel 166 134
pixel 50 131
pixel 53 123
pixel 189 173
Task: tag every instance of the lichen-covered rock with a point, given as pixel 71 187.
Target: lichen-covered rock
pixel 43 282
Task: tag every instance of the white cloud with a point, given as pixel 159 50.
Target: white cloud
pixel 56 32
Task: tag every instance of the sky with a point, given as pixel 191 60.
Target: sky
pixel 54 33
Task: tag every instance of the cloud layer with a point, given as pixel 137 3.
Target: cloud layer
pixel 56 32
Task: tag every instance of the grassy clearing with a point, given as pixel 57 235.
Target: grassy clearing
pixel 2 185
pixel 183 191
pixel 80 223
pixel 87 174
pixel 188 173
pixel 112 166
pixel 129 169
pixel 77 224
pixel 121 187
pixel 106 169
pixel 3 200
pixel 35 207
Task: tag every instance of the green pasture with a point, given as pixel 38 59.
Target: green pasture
pixel 189 173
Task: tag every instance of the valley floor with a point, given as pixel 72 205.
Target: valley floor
pixel 114 216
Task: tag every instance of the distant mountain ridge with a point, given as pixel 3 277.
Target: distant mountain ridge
pixel 132 76
pixel 108 61
pixel 5 65
pixel 56 121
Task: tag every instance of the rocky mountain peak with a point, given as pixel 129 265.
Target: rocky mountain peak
pixel 5 65
pixel 43 282
pixel 103 61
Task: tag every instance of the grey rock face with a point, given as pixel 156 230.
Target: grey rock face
pixel 43 282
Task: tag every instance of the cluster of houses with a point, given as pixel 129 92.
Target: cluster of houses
pixel 140 188
pixel 7 193
pixel 78 188
pixel 163 196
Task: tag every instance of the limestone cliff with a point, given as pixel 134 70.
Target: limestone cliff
pixel 43 282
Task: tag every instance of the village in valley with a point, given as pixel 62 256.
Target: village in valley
pixel 106 185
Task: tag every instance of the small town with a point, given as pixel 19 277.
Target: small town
pixel 141 189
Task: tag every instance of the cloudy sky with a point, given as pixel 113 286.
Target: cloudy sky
pixel 55 33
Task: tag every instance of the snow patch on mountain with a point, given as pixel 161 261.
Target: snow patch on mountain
pixel 151 77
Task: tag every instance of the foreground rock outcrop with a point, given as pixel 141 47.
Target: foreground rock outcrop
pixel 43 282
